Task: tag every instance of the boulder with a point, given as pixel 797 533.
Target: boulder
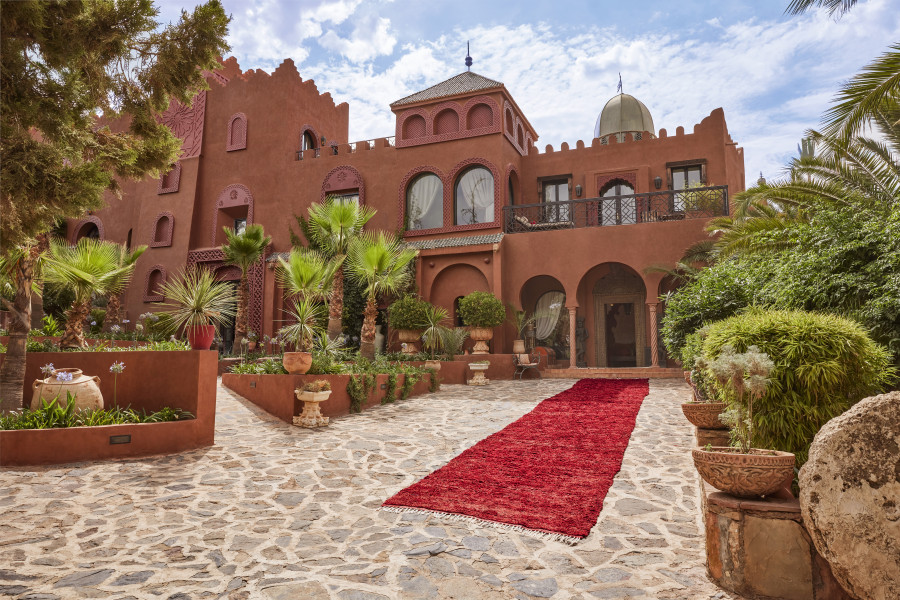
pixel 850 497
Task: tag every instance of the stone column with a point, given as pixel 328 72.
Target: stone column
pixel 654 335
pixel 573 350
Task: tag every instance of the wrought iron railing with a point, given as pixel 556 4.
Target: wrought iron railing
pixel 332 148
pixel 653 207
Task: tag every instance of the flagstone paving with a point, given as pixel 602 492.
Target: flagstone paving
pixel 276 512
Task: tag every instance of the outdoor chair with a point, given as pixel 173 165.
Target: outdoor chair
pixel 524 362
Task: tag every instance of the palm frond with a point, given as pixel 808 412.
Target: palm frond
pixel 839 7
pixel 380 262
pixel 88 267
pixel 307 273
pixel 244 249
pixel 334 224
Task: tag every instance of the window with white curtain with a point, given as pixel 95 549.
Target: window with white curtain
pixel 546 314
pixel 425 202
pixel 473 201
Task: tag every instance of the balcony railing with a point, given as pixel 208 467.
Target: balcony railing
pixel 653 207
pixel 332 148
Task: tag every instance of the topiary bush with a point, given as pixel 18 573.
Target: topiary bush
pixel 482 309
pixel 823 365
pixel 408 312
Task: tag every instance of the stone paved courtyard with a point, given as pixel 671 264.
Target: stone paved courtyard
pixel 277 512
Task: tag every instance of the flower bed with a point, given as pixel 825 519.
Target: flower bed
pixel 150 382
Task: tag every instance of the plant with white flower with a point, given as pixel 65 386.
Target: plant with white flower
pixel 745 378
pixel 48 369
pixel 63 376
pixel 115 369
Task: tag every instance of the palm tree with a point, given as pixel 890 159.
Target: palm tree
pixel 307 273
pixel 332 227
pixel 243 250
pixel 89 267
pixel 380 262
pixel 114 307
pixel 17 269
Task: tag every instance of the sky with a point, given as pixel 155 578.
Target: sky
pixel 773 74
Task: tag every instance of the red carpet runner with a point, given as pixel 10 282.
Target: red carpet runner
pixel 547 472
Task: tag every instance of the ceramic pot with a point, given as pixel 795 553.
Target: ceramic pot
pixel 251 346
pixel 433 364
pixel 85 389
pixel 759 473
pixel 518 346
pixel 201 337
pixel 297 363
pixel 481 336
pixel 410 337
pixel 311 415
pixel 704 414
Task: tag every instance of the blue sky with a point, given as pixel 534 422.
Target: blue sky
pixel 774 75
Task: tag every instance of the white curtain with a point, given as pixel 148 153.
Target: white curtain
pixel 424 203
pixel 475 197
pixel 547 313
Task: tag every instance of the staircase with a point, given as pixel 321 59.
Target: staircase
pixel 620 373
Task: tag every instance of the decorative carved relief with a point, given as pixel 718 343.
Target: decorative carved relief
pixel 603 180
pixel 237 133
pixel 153 281
pixel 233 195
pixel 76 229
pixel 161 230
pixel 214 259
pixel 344 178
pixel 171 181
pixel 186 122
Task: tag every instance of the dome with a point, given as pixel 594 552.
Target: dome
pixel 622 114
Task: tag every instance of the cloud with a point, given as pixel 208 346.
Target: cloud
pixel 370 39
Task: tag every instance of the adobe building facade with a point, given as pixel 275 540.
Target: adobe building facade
pixel 567 233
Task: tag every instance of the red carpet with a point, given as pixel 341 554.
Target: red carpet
pixel 547 472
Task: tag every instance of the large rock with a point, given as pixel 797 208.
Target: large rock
pixel 850 497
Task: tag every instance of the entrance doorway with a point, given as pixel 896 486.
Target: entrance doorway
pixel 621 347
pixel 619 319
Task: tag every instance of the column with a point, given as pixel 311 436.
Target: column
pixel 654 335
pixel 573 351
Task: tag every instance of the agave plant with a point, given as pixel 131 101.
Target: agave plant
pixel 195 298
pixel 307 315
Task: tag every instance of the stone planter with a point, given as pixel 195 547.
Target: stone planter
pixel 85 389
pixel 478 370
pixel 481 336
pixel 760 473
pixel 518 346
pixel 704 414
pixel 410 337
pixel 296 363
pixel 433 364
pixel 311 415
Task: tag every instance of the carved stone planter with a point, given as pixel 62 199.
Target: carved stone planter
pixel 296 363
pixel 433 364
pixel 85 389
pixel 478 370
pixel 760 473
pixel 704 414
pixel 410 337
pixel 481 336
pixel 713 437
pixel 311 415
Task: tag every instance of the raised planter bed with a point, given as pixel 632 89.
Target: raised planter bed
pixel 151 381
pixel 275 393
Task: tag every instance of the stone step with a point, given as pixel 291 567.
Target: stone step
pixel 620 373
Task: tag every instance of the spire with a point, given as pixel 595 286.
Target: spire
pixel 619 87
pixel 468 58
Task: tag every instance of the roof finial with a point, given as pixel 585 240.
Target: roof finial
pixel 468 58
pixel 619 87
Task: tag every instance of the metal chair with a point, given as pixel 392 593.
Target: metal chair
pixel 523 362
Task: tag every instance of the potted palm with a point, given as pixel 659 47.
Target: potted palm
pixel 481 311
pixel 198 303
pixel 452 340
pixel 312 394
pixel 741 470
pixel 408 316
pixel 308 275
pixel 431 337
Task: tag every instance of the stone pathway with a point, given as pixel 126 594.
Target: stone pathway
pixel 276 512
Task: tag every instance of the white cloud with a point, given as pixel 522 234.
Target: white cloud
pixel 370 39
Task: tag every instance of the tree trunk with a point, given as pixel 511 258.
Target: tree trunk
pixel 367 335
pixel 37 298
pixel 12 372
pixel 336 305
pixel 113 312
pixel 240 320
pixel 75 318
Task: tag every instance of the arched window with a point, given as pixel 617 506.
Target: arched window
pixel 170 181
pixel 480 116
pixel 425 202
pixel 237 133
pixel 520 137
pixel 510 128
pixel 307 142
pixel 414 127
pixel 617 204
pixel 156 277
pixel 89 230
pixel 447 121
pixel 161 234
pixel 473 200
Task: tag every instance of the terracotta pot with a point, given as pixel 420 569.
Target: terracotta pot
pixel 201 337
pixel 251 346
pixel 760 473
pixel 311 415
pixel 518 346
pixel 481 336
pixel 433 364
pixel 410 337
pixel 704 414
pixel 85 389
pixel 297 363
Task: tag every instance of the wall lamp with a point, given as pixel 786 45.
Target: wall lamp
pixel 657 182
pixel 578 191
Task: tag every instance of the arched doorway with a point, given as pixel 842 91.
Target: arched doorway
pixel 544 298
pixel 617 203
pixel 619 318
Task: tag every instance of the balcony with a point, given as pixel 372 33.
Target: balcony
pixel 653 207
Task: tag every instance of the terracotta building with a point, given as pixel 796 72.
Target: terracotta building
pixel 567 232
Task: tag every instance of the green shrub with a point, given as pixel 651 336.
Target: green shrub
pixel 408 312
pixel 823 365
pixel 54 414
pixel 269 366
pixel 482 309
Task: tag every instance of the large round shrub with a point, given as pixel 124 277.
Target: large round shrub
pixel 408 312
pixel 482 309
pixel 823 365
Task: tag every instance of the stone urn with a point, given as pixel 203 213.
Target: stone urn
pixel 481 336
pixel 478 370
pixel 704 415
pixel 759 473
pixel 84 388
pixel 433 364
pixel 410 337
pixel 518 346
pixel 297 363
pixel 311 415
